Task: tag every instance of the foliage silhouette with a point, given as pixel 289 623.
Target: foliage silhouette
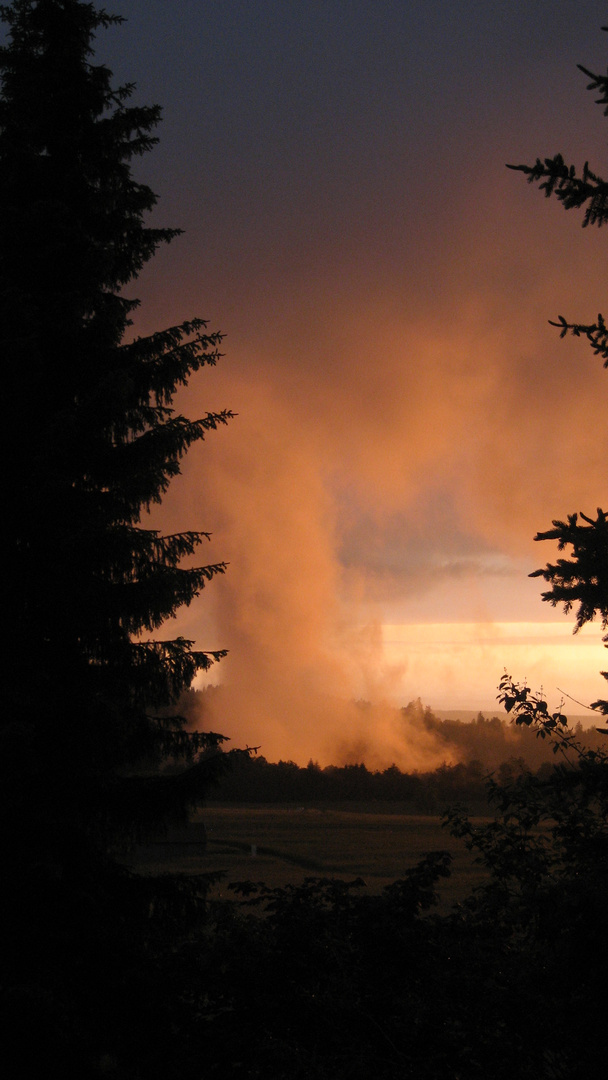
pixel 582 578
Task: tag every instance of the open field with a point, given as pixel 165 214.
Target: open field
pixel 284 844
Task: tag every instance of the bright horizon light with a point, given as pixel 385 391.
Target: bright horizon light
pixel 459 665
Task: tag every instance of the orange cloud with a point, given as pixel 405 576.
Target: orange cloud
pixel 406 416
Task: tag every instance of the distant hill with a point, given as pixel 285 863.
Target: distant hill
pixel 467 716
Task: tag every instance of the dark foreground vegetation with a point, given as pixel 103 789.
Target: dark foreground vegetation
pixel 321 980
pixel 109 973
pixel 331 983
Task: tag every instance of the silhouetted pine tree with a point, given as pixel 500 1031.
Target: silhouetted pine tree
pixel 91 441
pixel 583 578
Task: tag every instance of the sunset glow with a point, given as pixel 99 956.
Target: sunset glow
pixel 457 665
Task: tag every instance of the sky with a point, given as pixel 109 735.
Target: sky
pixel 407 417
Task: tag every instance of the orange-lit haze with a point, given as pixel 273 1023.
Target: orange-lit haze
pixel 407 419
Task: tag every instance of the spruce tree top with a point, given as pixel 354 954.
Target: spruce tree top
pixel 93 439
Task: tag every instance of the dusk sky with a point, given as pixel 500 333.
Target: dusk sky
pixel 408 419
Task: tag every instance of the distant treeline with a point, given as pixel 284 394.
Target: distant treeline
pixel 471 750
pixel 485 746
pixel 256 780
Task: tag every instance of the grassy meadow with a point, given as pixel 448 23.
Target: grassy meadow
pixel 284 844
